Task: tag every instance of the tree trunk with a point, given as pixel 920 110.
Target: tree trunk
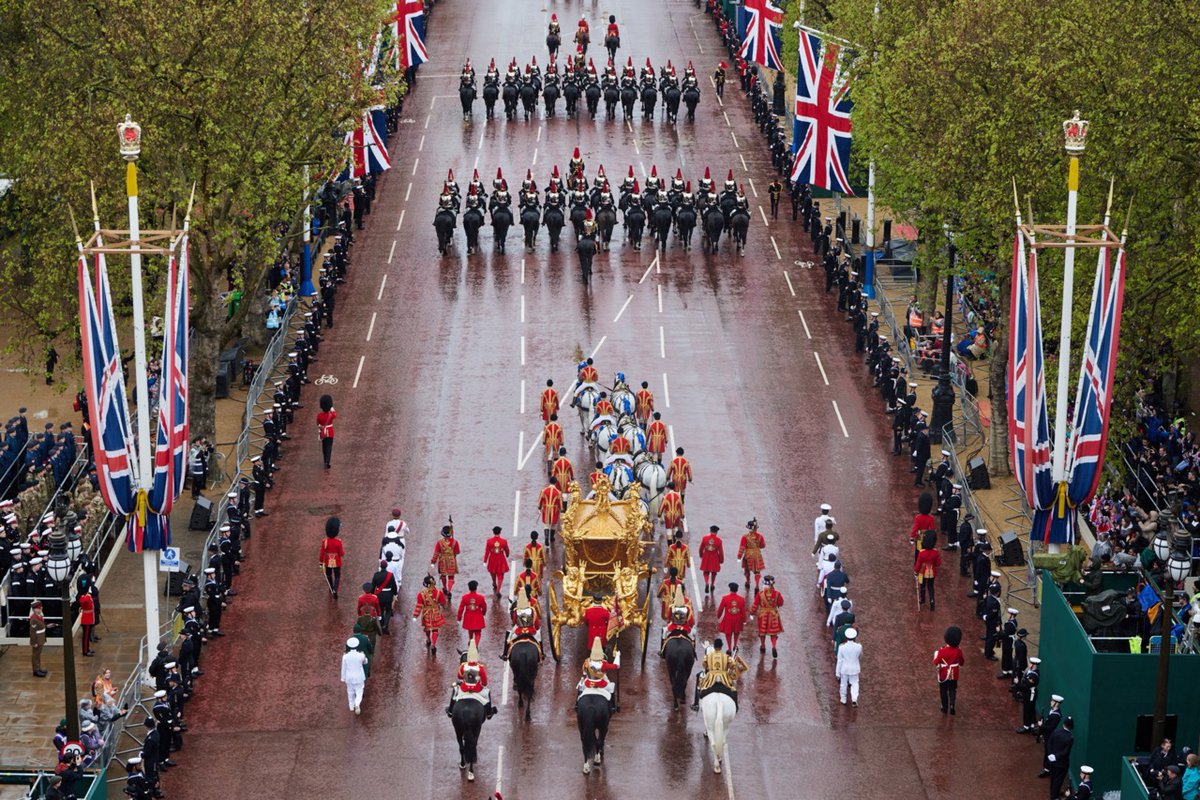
pixel 999 462
pixel 207 322
pixel 929 279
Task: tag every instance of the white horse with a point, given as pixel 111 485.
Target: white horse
pixel 585 400
pixel 623 401
pixel 602 435
pixel 719 711
pixel 621 476
pixel 653 478
pixel 633 432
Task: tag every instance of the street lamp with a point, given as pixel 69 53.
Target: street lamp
pixel 1173 550
pixel 943 393
pixel 64 551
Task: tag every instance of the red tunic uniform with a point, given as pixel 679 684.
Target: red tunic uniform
pixel 596 475
pixel 671 509
pixel 644 404
pixel 483 678
pixel 731 614
pixel 656 437
pixel 603 407
pixel 927 564
pixel 550 505
pixel 921 522
pixel 685 626
pixel 527 578
pixel 619 446
pixel 87 609
pixel 679 472
pixel 536 553
pixel 563 472
pixel 712 553
pixel 430 603
pixel 677 556
pixel 948 661
pixel 552 438
pixel 549 403
pixel 666 591
pixel 750 551
pixel 588 374
pixel 471 610
pixel 332 552
pixel 495 556
pixel 613 30
pixel 596 617
pixel 325 424
pixel 368 603
pixel 767 603
pixel 445 555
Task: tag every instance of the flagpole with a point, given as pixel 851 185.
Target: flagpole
pixel 130 139
pixel 1074 146
pixel 306 282
pixel 869 258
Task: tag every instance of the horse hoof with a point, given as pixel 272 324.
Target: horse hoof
pixel 717 768
pixel 587 768
pixel 462 765
pixel 599 757
pixel 471 776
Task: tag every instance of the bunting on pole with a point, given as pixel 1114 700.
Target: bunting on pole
pixel 821 132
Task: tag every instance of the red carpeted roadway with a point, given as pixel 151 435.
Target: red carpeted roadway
pixel 431 356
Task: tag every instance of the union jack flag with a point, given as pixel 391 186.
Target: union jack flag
pixel 1093 400
pixel 112 437
pixel 368 144
pixel 409 30
pixel 821 132
pixel 759 23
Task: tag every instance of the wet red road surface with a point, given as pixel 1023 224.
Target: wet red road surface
pixel 431 417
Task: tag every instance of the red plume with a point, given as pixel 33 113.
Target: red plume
pixel 730 178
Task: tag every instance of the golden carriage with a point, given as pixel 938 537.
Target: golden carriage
pixel 602 554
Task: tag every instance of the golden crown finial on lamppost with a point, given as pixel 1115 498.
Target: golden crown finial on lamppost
pixel 1075 131
pixel 129 134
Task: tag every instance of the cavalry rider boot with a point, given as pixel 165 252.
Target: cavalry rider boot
pixel 491 710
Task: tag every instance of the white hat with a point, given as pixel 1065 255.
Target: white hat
pixel 996 574
pixel 851 633
pixel 1086 770
pixel 169 665
pixel 160 694
pixel 826 507
pixel 1013 611
pixel 956 486
pixel 981 531
pixel 1035 660
pixel 189 609
pixel 133 762
pixel 210 571
pixel 946 453
pixel 225 528
pixel 352 643
pixel 1057 698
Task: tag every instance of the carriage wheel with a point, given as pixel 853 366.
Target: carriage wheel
pixel 646 627
pixel 553 629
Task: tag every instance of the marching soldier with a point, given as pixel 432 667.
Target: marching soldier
pixel 719 672
pixel 767 603
pixel 332 553
pixel 750 553
pixel 535 555
pixel 949 660
pixel 430 603
pixel 731 616
pixel 445 557
pixel 677 555
pixel 774 191
pixel 472 612
pixel 712 556
pixel 719 79
pixel 495 558
pixel 550 506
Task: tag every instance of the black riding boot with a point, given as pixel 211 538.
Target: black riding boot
pixel 696 700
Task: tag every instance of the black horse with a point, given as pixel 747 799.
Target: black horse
pixel 592 94
pixel 714 223
pixel 691 97
pixel 739 223
pixel 606 220
pixel 635 223
pixel 550 95
pixel 509 94
pixel 671 102
pixel 571 95
pixel 553 41
pixel 530 221
pixel 649 98
pixel 662 225
pixel 468 716
pixel 502 220
pixel 586 248
pixel 592 715
pixel 466 96
pixel 490 94
pixel 612 96
pixel 554 220
pixel 472 222
pixel 529 99
pixel 628 96
pixel 680 654
pixel 578 214
pixel 685 223
pixel 523 659
pixel 611 43
pixel 444 222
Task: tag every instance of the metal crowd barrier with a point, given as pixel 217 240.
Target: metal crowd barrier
pixel 895 332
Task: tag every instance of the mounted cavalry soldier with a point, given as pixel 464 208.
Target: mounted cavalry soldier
pixel 471 683
pixel 682 620
pixel 527 627
pixel 719 672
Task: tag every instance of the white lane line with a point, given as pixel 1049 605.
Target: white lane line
pixel 522 272
pixel 636 148
pixel 671 437
pixel 358 374
pixel 666 392
pixel 841 421
pixel 522 308
pixel 726 116
pixel 522 395
pixel 539 134
pixel 522 351
pixel 821 367
pixel 520 447
pixel 743 158
pixel 788 278
pixel 392 252
pixel 401 220
pixel 416 161
pixel 480 140
pixel 642 164
pixel 432 100
pixel 516 514
pixel 427 117
pixel 692 572
pixel 525 459
pixel 535 151
pixel 371 327
pixel 646 274
pixel 751 182
pixel 408 191
pixel 625 306
pixel 629 125
pixel 500 767
pixel 764 216
pixel 421 146
pixel 779 256
pixel 382 284
pixel 476 164
pixel 735 141
pixel 660 298
pixel 662 342
pixel 512 576
pixel 728 772
pixel 804 322
pixel 598 346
